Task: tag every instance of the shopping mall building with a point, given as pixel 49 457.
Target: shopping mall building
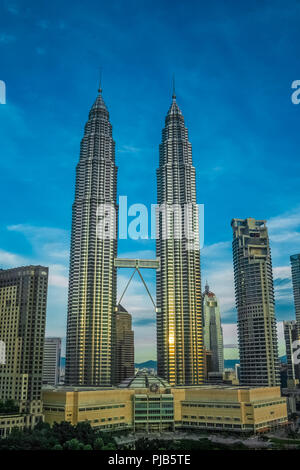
pixel 148 403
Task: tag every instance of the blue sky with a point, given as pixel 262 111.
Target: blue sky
pixel 234 64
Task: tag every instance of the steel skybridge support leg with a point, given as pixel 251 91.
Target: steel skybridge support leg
pixel 126 287
pixel 140 274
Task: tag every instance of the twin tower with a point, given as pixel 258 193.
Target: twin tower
pixel 93 276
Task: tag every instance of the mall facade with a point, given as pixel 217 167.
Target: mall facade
pixel 148 403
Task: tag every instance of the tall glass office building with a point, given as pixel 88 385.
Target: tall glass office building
pixel 92 278
pixel 254 293
pixel 213 333
pixel 179 299
pixel 295 267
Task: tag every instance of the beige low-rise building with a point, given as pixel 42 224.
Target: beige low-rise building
pixel 8 422
pixel 147 403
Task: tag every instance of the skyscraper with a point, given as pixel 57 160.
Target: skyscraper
pixel 23 299
pixel 51 361
pixel 295 267
pixel 254 294
pixel 213 334
pixel 123 345
pixel 92 278
pixel 178 286
pixel 291 335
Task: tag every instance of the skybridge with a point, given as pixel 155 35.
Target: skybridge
pixel 137 265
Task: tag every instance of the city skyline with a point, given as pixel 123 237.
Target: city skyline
pixel 36 230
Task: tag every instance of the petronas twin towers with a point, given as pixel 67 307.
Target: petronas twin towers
pixel 93 279
pixel 179 328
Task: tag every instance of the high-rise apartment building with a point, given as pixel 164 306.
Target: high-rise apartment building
pixel 290 335
pixel 179 300
pixel 255 303
pixel 123 345
pixel 295 267
pixel 92 278
pixel 212 328
pixel 23 299
pixel 51 361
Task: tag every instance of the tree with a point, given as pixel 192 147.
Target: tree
pixel 73 444
pixel 63 431
pixel 98 444
pixel 57 447
pixel 110 446
pixel 85 433
pixel 62 436
pixel 87 447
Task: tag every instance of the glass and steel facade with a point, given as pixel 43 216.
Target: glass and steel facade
pixel 92 278
pixel 291 335
pixel 51 361
pixel 255 303
pixel 23 300
pixel 153 412
pixel 179 299
pixel 295 267
pixel 123 350
pixel 213 334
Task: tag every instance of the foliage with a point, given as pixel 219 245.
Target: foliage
pixel 184 445
pixel 62 436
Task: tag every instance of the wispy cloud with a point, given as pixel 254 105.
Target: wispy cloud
pixel 43 24
pixel 45 241
pixel 129 149
pixel 230 334
pixel 10 260
pixel 285 221
pixel 7 38
pixel 216 249
pixel 217 265
pixel 12 8
pixel 58 275
pixel 139 254
pixel 49 248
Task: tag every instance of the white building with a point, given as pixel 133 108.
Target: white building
pixel 51 361
pixel 213 334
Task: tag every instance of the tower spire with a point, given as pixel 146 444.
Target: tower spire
pixel 173 86
pixel 100 81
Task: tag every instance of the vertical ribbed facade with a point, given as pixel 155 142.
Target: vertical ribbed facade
pixel 179 299
pixel 51 361
pixel 254 293
pixel 23 300
pixel 291 335
pixel 295 268
pixel 212 328
pixel 92 278
pixel 123 346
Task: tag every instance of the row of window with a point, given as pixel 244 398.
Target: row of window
pixel 209 405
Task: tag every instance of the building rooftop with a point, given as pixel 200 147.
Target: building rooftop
pixel 144 379
pixel 73 388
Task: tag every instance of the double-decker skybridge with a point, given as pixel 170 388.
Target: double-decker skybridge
pixel 137 265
